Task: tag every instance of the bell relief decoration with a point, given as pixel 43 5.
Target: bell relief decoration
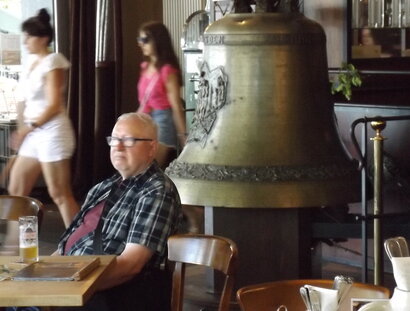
pixel 212 96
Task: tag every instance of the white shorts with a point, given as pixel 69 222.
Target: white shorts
pixel 53 141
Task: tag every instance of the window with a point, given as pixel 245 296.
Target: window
pixel 380 29
pixel 13 54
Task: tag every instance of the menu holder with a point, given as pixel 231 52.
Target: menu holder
pixel 57 271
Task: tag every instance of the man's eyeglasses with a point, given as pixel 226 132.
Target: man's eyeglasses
pixel 126 141
pixel 143 40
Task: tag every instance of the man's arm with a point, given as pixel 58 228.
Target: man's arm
pixel 126 266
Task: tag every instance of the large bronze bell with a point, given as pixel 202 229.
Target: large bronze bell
pixel 263 133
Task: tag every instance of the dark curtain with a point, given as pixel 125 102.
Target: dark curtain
pixel 94 88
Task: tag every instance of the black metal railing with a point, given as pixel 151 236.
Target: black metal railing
pixel 379 215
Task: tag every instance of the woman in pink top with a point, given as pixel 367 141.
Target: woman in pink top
pixel 159 87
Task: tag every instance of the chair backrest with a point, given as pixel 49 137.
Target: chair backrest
pixel 212 251
pixel 12 207
pixel 271 295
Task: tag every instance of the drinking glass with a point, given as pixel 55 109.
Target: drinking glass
pixel 356 13
pixel 396 20
pixel 406 13
pixel 376 13
pixel 28 226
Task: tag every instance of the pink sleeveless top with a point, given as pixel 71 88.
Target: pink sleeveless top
pixel 152 91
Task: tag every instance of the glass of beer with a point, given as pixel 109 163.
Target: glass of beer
pixel 28 226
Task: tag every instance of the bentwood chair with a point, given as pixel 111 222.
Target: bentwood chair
pixel 212 251
pixel 271 295
pixel 11 208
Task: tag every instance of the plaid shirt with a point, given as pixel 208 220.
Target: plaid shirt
pixel 146 211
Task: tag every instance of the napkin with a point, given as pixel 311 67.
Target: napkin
pixel 401 272
pixel 327 297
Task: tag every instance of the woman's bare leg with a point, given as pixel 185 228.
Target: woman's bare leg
pixel 23 175
pixel 58 179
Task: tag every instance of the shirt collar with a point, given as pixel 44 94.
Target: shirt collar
pixel 141 178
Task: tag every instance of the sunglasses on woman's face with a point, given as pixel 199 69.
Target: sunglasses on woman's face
pixel 143 40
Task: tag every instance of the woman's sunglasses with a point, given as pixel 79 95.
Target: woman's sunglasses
pixel 143 40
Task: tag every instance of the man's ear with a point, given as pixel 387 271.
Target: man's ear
pixel 154 148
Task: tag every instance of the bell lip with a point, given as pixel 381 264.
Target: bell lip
pixel 267 195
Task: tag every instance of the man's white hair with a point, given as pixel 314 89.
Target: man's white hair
pixel 150 126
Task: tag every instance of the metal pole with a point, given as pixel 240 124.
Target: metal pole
pixel 211 11
pixel 378 126
pixel 364 205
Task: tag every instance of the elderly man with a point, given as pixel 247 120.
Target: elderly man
pixel 131 215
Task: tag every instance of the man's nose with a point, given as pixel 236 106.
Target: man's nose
pixel 120 145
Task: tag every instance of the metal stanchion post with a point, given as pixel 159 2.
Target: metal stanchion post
pixel 378 126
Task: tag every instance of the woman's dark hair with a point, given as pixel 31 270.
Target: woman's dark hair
pixel 159 35
pixel 39 25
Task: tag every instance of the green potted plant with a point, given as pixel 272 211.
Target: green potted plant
pixel 348 77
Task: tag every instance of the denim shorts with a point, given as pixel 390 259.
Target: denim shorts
pixel 167 133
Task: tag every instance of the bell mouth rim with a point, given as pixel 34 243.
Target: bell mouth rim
pixel 266 195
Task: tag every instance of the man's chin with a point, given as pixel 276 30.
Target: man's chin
pixel 119 166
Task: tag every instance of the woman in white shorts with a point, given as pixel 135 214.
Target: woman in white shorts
pixel 44 138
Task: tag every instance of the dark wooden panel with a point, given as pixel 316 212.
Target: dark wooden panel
pixel 273 243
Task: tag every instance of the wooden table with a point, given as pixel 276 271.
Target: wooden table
pixel 52 293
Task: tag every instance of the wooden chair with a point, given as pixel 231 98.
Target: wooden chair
pixel 270 296
pixel 212 251
pixel 11 208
